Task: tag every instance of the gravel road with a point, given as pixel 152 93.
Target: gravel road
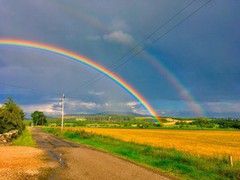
pixel 80 162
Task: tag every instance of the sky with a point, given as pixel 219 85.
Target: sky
pixel 182 56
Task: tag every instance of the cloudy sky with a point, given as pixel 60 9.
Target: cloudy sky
pixel 181 55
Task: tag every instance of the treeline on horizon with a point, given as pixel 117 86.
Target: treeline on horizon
pixel 98 117
pixel 147 122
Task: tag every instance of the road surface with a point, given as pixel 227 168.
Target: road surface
pixel 80 162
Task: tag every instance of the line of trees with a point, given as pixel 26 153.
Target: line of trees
pixel 109 118
pixel 222 123
pixel 227 123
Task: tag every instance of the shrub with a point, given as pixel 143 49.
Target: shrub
pixel 11 117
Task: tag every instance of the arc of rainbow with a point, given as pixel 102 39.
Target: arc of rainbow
pixel 183 92
pixel 86 61
pixel 176 83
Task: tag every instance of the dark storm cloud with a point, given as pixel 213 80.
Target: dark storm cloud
pixel 202 52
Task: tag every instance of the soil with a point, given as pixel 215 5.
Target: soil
pixel 18 162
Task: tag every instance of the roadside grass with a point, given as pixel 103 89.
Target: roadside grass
pixel 25 139
pixel 169 160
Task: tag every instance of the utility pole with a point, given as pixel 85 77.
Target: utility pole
pixel 63 97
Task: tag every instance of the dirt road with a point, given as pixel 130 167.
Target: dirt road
pixel 80 162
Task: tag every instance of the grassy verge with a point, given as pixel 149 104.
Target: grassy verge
pixel 25 139
pixel 183 165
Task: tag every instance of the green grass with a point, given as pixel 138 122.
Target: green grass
pixel 25 139
pixel 174 162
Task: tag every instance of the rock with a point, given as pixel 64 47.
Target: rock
pixel 7 137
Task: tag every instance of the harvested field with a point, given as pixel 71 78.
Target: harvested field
pixel 18 162
pixel 200 143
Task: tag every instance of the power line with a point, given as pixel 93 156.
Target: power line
pixel 151 34
pixel 98 77
pixel 118 60
pixel 90 82
pixel 160 37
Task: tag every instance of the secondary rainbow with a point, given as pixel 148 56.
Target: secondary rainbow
pixel 84 60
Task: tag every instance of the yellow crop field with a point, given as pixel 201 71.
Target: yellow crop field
pixel 197 142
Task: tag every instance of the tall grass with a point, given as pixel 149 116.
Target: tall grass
pixel 25 139
pixel 169 160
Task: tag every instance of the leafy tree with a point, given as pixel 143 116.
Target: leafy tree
pixel 11 117
pixel 39 118
pixel 201 122
pixel 236 125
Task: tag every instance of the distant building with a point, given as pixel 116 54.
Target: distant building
pixel 80 119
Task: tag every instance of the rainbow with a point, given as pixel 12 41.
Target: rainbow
pixel 84 60
pixel 156 62
pixel 183 92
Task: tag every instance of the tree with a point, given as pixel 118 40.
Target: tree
pixel 236 125
pixel 201 122
pixel 39 118
pixel 11 117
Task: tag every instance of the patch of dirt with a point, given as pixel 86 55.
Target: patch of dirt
pixel 18 162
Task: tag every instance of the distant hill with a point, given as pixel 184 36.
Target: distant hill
pixel 110 113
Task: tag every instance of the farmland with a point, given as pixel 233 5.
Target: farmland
pixel 212 143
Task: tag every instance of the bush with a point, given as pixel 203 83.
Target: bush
pixel 11 117
pixel 84 134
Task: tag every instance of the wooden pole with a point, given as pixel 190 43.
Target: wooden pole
pixel 63 97
pixel 230 160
